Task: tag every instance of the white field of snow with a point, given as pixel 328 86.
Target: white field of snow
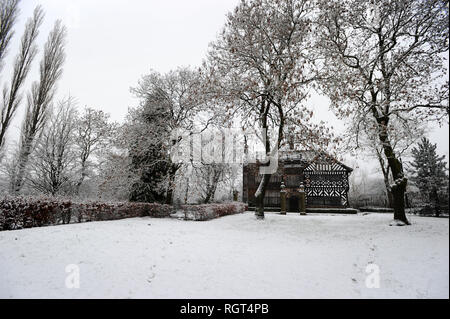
pixel 314 256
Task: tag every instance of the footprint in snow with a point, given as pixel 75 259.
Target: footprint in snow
pixel 151 277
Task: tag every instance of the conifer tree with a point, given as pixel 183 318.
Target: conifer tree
pixel 429 173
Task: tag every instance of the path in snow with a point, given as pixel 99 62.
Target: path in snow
pixel 291 256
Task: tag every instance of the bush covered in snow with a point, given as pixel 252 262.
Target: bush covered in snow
pixel 26 212
pixel 21 212
pixel 211 211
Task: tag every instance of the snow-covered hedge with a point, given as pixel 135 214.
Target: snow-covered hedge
pixel 98 211
pixel 211 211
pixel 20 212
pixel 25 212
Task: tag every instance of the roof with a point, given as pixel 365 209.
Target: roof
pixel 309 157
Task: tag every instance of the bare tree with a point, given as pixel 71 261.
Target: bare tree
pixel 358 182
pixel 402 146
pixel 260 68
pixel 12 96
pixel 401 140
pixel 115 179
pixel 53 164
pixel 208 176
pixel 92 134
pixel 232 177
pixel 383 61
pixel 9 10
pixel 186 175
pixel 39 101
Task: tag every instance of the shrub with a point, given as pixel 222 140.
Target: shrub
pixel 211 211
pixel 21 212
pixel 27 212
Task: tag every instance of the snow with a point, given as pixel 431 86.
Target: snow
pixel 314 256
pixel 397 222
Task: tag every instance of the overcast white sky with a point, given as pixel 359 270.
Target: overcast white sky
pixel 112 43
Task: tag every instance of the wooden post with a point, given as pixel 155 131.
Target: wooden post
pixel 301 200
pixel 283 199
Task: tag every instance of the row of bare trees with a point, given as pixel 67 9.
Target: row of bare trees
pixel 40 97
pixel 68 150
pixel 58 147
pixel 12 93
pixel 39 102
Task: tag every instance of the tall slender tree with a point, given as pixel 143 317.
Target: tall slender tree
pixel 9 11
pixel 12 96
pixel 92 133
pixel 39 101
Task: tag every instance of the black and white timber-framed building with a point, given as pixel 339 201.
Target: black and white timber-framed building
pixel 324 179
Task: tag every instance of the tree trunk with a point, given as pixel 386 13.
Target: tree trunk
pixel 385 171
pixel 207 198
pixel 260 195
pixel 186 193
pixel 18 180
pixel 81 179
pixel 212 186
pixel 390 198
pixel 261 191
pixel 398 194
pixel 208 187
pixel 435 201
pixel 169 195
pixel 398 188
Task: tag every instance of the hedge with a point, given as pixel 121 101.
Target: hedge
pixel 210 211
pixel 27 212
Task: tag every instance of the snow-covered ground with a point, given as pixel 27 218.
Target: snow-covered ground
pixel 291 256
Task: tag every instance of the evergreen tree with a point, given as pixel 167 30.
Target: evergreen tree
pixel 429 173
pixel 168 103
pixel 148 150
